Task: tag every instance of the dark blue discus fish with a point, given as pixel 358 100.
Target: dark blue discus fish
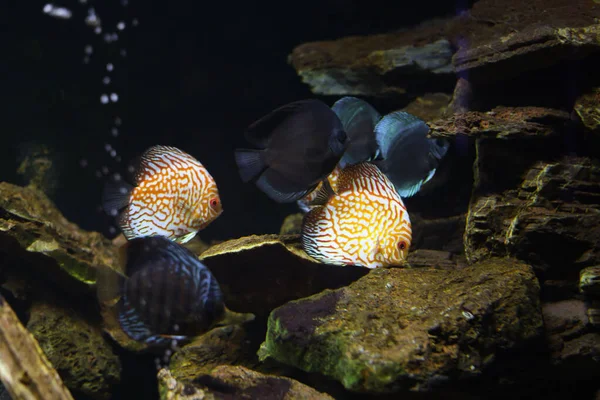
pixel 298 145
pixel 166 293
pixel 406 155
pixel 358 119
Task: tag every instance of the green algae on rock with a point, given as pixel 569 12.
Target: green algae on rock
pixel 587 108
pixel 220 346
pixel 260 272
pixel 589 280
pixel 32 227
pixel 76 348
pixel 409 328
pixel 236 382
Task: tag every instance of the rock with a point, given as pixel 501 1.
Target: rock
pixel 259 273
pixel 236 382
pixel 38 238
pixel 502 123
pixel 76 348
pixel 378 64
pixel 409 328
pixel 555 207
pixel 435 258
pixel 565 318
pixel 589 280
pixel 230 345
pixel 503 39
pixel 429 107
pixel 492 42
pixel 445 234
pixel 587 108
pixel 292 224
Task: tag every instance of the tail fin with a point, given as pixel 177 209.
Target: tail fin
pixel 115 196
pixel 250 163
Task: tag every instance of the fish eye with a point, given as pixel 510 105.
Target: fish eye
pixel 214 202
pixel 402 245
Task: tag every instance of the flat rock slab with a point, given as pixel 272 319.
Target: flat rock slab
pixel 260 272
pixel 502 123
pixel 34 232
pixel 236 382
pixel 495 40
pixel 409 328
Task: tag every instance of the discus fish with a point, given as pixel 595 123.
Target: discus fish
pixel 174 196
pixel 299 144
pixel 163 294
pixel 363 223
pixel 306 202
pixel 405 154
pixel 359 119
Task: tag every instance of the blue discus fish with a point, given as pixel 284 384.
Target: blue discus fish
pixel 406 155
pixel 358 119
pixel 164 294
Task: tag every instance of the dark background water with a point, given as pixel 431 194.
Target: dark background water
pixel 195 75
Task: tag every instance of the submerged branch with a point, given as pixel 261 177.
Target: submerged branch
pixel 24 369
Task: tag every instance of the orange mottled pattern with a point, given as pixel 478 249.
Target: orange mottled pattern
pixel 175 196
pixel 365 223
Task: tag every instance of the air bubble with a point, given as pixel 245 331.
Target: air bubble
pixel 92 19
pixel 124 3
pixel 131 169
pixel 118 121
pixel 110 67
pixel 86 60
pixel 114 212
pixel 112 230
pixel 98 30
pixel 114 97
pixel 88 49
pixel 114 132
pixel 98 174
pixel 123 53
pixel 106 80
pixel 83 163
pixel 121 25
pixel 107 147
pixel 105 170
pixel 104 99
pixel 176 328
pixel 113 153
pixel 57 12
pixel 135 22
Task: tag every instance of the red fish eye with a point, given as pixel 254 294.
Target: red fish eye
pixel 402 245
pixel 214 202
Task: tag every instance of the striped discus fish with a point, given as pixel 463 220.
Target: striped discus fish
pixel 174 196
pixel 365 223
pixel 163 293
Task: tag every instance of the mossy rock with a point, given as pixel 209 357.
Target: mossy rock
pixel 76 348
pixel 398 329
pixel 38 237
pixel 236 382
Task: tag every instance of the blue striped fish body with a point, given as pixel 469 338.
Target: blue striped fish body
pixel 168 293
pixel 365 223
pixel 174 196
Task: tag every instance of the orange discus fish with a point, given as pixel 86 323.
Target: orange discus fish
pixel 174 196
pixel 363 223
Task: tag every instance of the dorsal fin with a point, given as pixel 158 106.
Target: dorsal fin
pixel 259 132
